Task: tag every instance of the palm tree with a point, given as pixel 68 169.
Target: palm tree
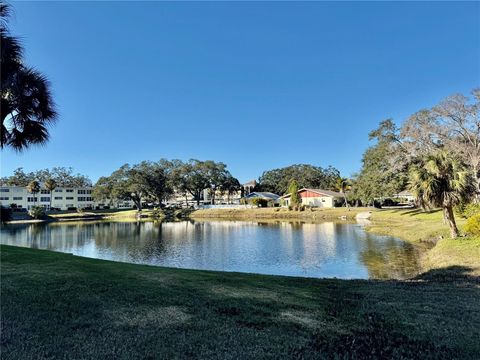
pixel 33 187
pixel 27 107
pixel 50 185
pixel 441 180
pixel 342 185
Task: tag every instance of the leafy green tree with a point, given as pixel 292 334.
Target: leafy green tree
pixel 295 199
pixel 442 180
pixel 379 176
pixel 64 177
pixel 103 190
pixel 231 186
pixel 309 176
pixel 34 188
pixel 50 185
pixel 27 107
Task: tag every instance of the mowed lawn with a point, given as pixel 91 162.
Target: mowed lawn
pixel 56 305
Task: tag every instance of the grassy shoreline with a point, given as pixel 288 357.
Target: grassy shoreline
pixel 57 305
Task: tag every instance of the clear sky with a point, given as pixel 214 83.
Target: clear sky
pixel 257 85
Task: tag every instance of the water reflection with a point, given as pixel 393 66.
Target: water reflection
pixel 284 248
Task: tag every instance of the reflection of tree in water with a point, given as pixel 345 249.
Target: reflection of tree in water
pixel 390 259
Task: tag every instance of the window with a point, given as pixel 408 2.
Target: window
pixel 69 190
pixel 4 190
pixel 85 198
pixel 32 199
pixel 44 192
pixel 45 198
pixel 88 191
pixel 69 198
pixel 58 198
pixel 4 197
pixel 17 198
pixel 82 191
pixel 58 190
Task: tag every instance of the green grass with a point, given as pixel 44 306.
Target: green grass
pixel 60 306
pixel 278 214
pixel 106 214
pixel 427 231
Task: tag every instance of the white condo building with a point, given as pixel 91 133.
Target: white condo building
pixel 62 198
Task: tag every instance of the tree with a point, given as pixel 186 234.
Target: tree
pixel 309 176
pixel 157 180
pixel 442 180
pixel 383 173
pixel 192 177
pixel 27 107
pixel 34 188
pixel 453 125
pixel 50 185
pixel 342 185
pixel 231 186
pixel 64 177
pixel 295 199
pixel 103 190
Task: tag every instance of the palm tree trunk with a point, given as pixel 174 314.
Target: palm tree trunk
pixel 450 218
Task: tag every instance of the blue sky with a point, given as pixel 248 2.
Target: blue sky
pixel 257 85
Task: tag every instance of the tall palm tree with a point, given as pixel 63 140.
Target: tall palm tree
pixel 33 187
pixel 27 107
pixel 442 180
pixel 50 185
pixel 343 185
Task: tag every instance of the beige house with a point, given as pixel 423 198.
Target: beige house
pixel 317 198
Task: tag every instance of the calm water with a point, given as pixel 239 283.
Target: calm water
pixel 285 248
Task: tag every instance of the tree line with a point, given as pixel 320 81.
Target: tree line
pixel 62 176
pixel 158 181
pixel 435 154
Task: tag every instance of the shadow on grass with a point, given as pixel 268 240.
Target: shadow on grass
pixel 57 306
pixel 451 274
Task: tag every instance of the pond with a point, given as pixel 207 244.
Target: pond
pixel 328 249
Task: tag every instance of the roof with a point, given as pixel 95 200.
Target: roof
pixel 263 195
pixel 319 192
pixel 405 193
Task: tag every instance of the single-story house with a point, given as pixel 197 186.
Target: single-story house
pixel 405 194
pixel 317 198
pixel 268 196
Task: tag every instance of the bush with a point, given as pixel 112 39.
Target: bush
pixel 467 210
pixel 259 202
pixel 37 212
pixel 472 226
pixel 5 214
pixel 157 214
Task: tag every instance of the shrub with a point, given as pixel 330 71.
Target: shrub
pixel 472 226
pixel 5 214
pixel 259 202
pixel 467 210
pixel 37 212
pixel 157 214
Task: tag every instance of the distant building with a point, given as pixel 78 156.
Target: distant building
pixel 405 194
pixel 268 196
pixel 317 198
pixel 249 186
pixel 62 198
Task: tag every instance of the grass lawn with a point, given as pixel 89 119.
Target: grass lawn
pixel 278 213
pixel 56 305
pixel 104 213
pixel 426 229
